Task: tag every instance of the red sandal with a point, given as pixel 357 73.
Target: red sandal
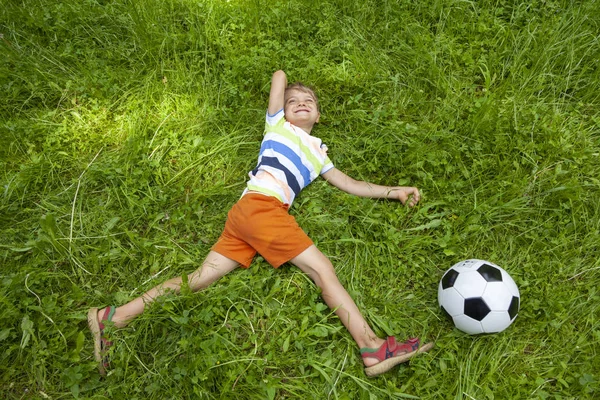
pixel 101 344
pixel 391 353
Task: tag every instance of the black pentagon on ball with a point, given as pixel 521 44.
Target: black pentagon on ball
pixel 490 273
pixel 476 308
pixel 513 309
pixel 449 278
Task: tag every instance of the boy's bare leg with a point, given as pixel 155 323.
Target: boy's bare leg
pixel 318 267
pixel 214 267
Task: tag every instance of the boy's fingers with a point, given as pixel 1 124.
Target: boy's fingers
pixel 413 195
pixel 416 195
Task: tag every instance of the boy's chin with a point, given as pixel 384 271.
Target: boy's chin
pixel 306 119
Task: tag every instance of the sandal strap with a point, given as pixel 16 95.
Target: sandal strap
pixel 379 353
pixel 105 344
pixel 390 348
pixel 109 312
pixel 391 342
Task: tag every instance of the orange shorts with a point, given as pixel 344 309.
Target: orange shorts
pixel 261 223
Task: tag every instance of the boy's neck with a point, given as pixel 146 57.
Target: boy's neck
pixel 306 129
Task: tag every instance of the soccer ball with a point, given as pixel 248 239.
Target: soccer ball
pixel 479 296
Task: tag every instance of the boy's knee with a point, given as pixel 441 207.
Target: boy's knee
pixel 324 274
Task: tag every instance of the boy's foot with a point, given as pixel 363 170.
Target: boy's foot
pixel 101 344
pixel 391 354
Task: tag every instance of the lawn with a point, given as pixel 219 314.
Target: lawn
pixel 127 129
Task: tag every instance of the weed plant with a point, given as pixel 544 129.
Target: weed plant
pixel 126 132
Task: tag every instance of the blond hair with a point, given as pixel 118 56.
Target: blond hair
pixel 302 88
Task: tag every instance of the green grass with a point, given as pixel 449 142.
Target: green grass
pixel 126 132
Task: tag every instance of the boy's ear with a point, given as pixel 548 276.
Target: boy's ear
pixel 318 117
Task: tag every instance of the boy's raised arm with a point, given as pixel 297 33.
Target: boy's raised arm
pixel 276 97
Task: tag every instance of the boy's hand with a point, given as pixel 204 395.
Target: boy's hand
pixel 407 195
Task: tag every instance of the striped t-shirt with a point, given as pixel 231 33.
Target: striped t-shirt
pixel 288 161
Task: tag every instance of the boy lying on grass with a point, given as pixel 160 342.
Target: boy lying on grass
pixel 289 159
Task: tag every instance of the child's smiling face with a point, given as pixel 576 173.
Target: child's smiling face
pixel 301 109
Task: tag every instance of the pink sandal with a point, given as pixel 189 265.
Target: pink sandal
pixel 101 344
pixel 392 353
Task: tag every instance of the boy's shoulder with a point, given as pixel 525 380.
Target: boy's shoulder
pixel 275 119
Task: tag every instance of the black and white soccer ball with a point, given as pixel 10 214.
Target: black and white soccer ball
pixel 479 296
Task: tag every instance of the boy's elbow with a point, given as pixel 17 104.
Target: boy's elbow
pixel 352 186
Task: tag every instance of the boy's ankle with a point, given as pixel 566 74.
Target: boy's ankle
pixel 373 343
pixel 111 317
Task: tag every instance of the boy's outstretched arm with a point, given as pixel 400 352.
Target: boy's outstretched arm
pixel 276 97
pixel 406 194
